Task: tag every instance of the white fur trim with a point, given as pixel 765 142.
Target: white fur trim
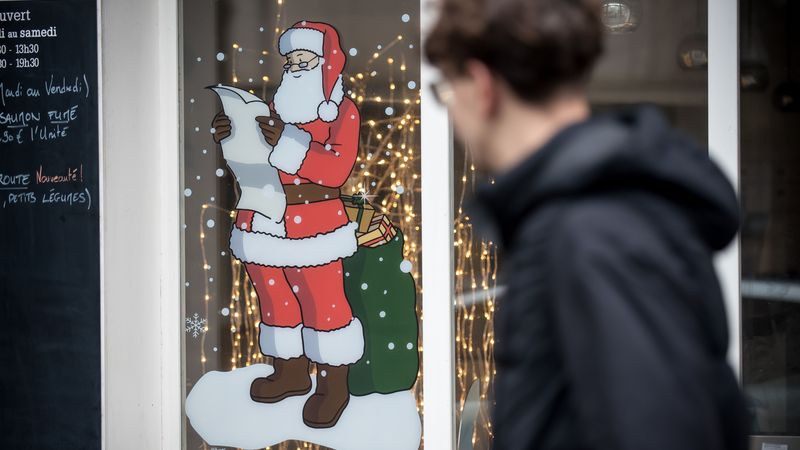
pixel 281 342
pixel 337 92
pixel 263 224
pixel 339 347
pixel 275 251
pixel 301 39
pixel 291 150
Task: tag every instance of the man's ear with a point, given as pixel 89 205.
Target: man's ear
pixel 485 87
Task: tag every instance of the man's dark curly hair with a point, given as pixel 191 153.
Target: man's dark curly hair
pixel 538 47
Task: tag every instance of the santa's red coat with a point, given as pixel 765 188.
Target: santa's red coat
pixel 298 276
pixel 317 152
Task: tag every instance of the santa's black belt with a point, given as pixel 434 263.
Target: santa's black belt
pixel 299 194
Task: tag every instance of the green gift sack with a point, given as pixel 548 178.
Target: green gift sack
pixel 383 297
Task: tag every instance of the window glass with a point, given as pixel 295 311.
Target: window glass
pixel 476 290
pixel 660 57
pixel 770 248
pixel 656 54
pixel 301 161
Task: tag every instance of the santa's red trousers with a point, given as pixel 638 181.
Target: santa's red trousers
pixel 312 296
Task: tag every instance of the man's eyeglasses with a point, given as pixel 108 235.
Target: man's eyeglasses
pixel 442 92
pixel 303 65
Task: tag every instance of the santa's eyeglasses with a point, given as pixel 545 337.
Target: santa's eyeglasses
pixel 303 65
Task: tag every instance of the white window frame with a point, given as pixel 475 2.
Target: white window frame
pixel 438 280
pixel 140 224
pixel 723 142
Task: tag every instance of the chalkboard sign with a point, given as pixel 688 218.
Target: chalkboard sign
pixel 49 226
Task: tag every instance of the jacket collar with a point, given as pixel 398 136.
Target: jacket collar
pixel 547 173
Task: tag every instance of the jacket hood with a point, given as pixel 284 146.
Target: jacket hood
pixel 631 151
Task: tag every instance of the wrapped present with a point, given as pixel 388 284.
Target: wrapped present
pixel 380 232
pixel 359 210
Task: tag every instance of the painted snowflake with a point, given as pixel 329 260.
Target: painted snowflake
pixel 196 325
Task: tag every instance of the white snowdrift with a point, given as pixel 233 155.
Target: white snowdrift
pixel 219 408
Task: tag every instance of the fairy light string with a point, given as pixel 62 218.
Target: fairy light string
pixel 475 265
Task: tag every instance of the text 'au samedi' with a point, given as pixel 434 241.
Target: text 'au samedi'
pixel 23 16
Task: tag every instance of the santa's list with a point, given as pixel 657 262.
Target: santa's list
pixel 48 108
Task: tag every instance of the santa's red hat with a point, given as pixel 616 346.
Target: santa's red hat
pixel 323 40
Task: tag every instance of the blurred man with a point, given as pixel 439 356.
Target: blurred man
pixel 612 333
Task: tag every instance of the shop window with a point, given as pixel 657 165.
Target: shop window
pixel 302 225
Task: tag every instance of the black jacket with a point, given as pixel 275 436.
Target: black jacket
pixel 612 332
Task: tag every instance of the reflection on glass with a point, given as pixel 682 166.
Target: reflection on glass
pixel 641 68
pixel 770 247
pixel 622 16
pixel 693 52
pixel 236 43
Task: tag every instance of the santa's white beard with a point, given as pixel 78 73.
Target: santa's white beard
pixel 299 95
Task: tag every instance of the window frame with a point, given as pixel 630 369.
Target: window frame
pixel 723 142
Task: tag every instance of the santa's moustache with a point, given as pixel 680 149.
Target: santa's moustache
pixel 299 95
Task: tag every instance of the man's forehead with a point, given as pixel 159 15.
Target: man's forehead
pixel 300 54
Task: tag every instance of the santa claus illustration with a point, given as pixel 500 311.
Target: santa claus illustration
pixel 295 264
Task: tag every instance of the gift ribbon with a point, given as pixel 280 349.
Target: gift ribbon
pixel 360 203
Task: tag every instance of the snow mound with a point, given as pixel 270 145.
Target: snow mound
pixel 219 408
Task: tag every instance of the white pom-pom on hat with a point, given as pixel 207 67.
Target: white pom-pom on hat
pixel 328 111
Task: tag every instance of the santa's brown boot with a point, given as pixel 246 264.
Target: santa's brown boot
pixel 289 379
pixel 325 407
